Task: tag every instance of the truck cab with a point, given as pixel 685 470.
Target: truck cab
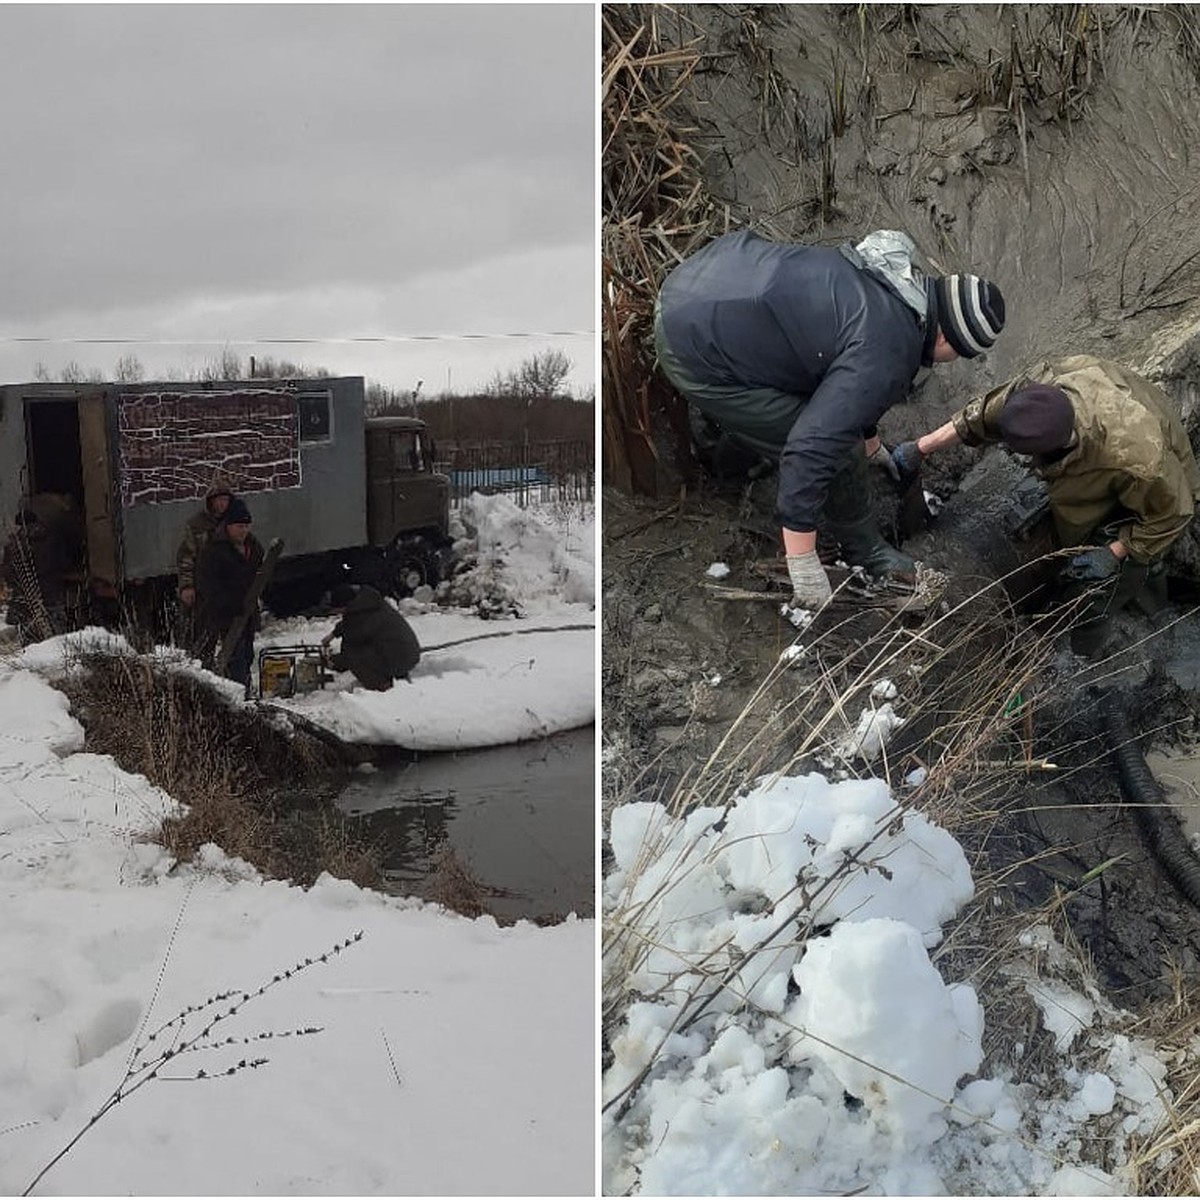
pixel 408 502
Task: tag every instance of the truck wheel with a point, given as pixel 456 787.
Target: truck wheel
pixel 411 564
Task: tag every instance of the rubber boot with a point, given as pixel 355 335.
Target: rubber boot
pixel 849 519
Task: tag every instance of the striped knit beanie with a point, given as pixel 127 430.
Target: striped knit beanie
pixel 970 312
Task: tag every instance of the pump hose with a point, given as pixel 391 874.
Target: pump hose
pixel 1152 811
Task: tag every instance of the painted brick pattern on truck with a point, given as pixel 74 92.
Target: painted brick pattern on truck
pixel 172 444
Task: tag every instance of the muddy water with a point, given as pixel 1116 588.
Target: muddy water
pixel 1177 770
pixel 521 819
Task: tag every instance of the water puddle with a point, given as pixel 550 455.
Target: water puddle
pixel 520 819
pixel 1177 770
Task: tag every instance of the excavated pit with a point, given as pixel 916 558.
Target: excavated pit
pixel 1078 193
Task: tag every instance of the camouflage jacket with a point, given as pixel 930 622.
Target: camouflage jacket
pixel 197 533
pixel 1132 465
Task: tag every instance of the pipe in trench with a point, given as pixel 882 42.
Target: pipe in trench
pixel 1152 811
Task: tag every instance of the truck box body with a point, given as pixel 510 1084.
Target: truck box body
pixel 137 459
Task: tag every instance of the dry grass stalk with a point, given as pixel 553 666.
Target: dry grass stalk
pixel 198 1029
pixel 451 884
pixel 259 793
pixel 657 210
pixel 964 671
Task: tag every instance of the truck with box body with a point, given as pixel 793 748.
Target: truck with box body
pixel 121 467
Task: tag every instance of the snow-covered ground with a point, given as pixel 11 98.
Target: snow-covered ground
pixel 448 1056
pixel 789 1034
pixel 482 681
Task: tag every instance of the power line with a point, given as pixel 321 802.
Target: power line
pixel 383 339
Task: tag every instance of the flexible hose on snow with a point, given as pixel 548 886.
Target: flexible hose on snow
pixel 1152 811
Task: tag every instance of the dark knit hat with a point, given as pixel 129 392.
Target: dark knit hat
pixel 1037 419
pixel 237 513
pixel 341 595
pixel 970 312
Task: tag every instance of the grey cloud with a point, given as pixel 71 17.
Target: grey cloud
pixel 174 151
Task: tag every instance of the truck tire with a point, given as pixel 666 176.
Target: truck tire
pixel 411 564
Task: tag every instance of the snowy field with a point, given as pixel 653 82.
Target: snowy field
pixel 433 1055
pixel 837 1060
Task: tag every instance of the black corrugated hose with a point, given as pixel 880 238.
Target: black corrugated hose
pixel 1153 813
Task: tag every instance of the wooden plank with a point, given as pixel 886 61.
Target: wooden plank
pixel 98 503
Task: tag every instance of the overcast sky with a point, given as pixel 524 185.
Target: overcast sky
pixel 230 172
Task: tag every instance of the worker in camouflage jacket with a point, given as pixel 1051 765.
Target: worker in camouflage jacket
pixel 378 644
pixel 1119 470
pixel 33 566
pixel 224 576
pixel 197 533
pixel 794 353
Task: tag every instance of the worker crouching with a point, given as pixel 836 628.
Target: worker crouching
pixel 378 644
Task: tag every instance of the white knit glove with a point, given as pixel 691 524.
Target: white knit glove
pixel 882 458
pixel 810 584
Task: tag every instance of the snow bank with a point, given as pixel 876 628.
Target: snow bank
pixel 524 561
pixel 789 1034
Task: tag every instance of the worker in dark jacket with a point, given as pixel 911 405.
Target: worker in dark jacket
pixel 224 575
pixel 197 533
pixel 378 644
pixel 795 352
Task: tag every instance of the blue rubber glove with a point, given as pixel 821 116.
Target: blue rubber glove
pixel 1093 566
pixel 907 459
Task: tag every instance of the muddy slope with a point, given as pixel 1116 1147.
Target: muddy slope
pixel 1050 147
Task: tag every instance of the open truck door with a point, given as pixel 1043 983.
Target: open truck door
pixel 100 532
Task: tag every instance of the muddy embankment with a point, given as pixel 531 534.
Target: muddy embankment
pixel 1052 148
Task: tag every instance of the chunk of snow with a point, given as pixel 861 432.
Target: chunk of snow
pixel 1064 1011
pixel 861 985
pixel 800 617
pixel 718 570
pixel 1070 1180
pixel 872 733
pixel 1097 1094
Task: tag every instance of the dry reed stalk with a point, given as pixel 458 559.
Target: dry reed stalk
pixel 656 210
pixel 966 672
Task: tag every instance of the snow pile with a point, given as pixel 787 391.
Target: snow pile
pixel 522 561
pixel 788 1034
pixel 750 1099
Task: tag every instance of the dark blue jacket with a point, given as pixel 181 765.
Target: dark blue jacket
pixel 835 342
